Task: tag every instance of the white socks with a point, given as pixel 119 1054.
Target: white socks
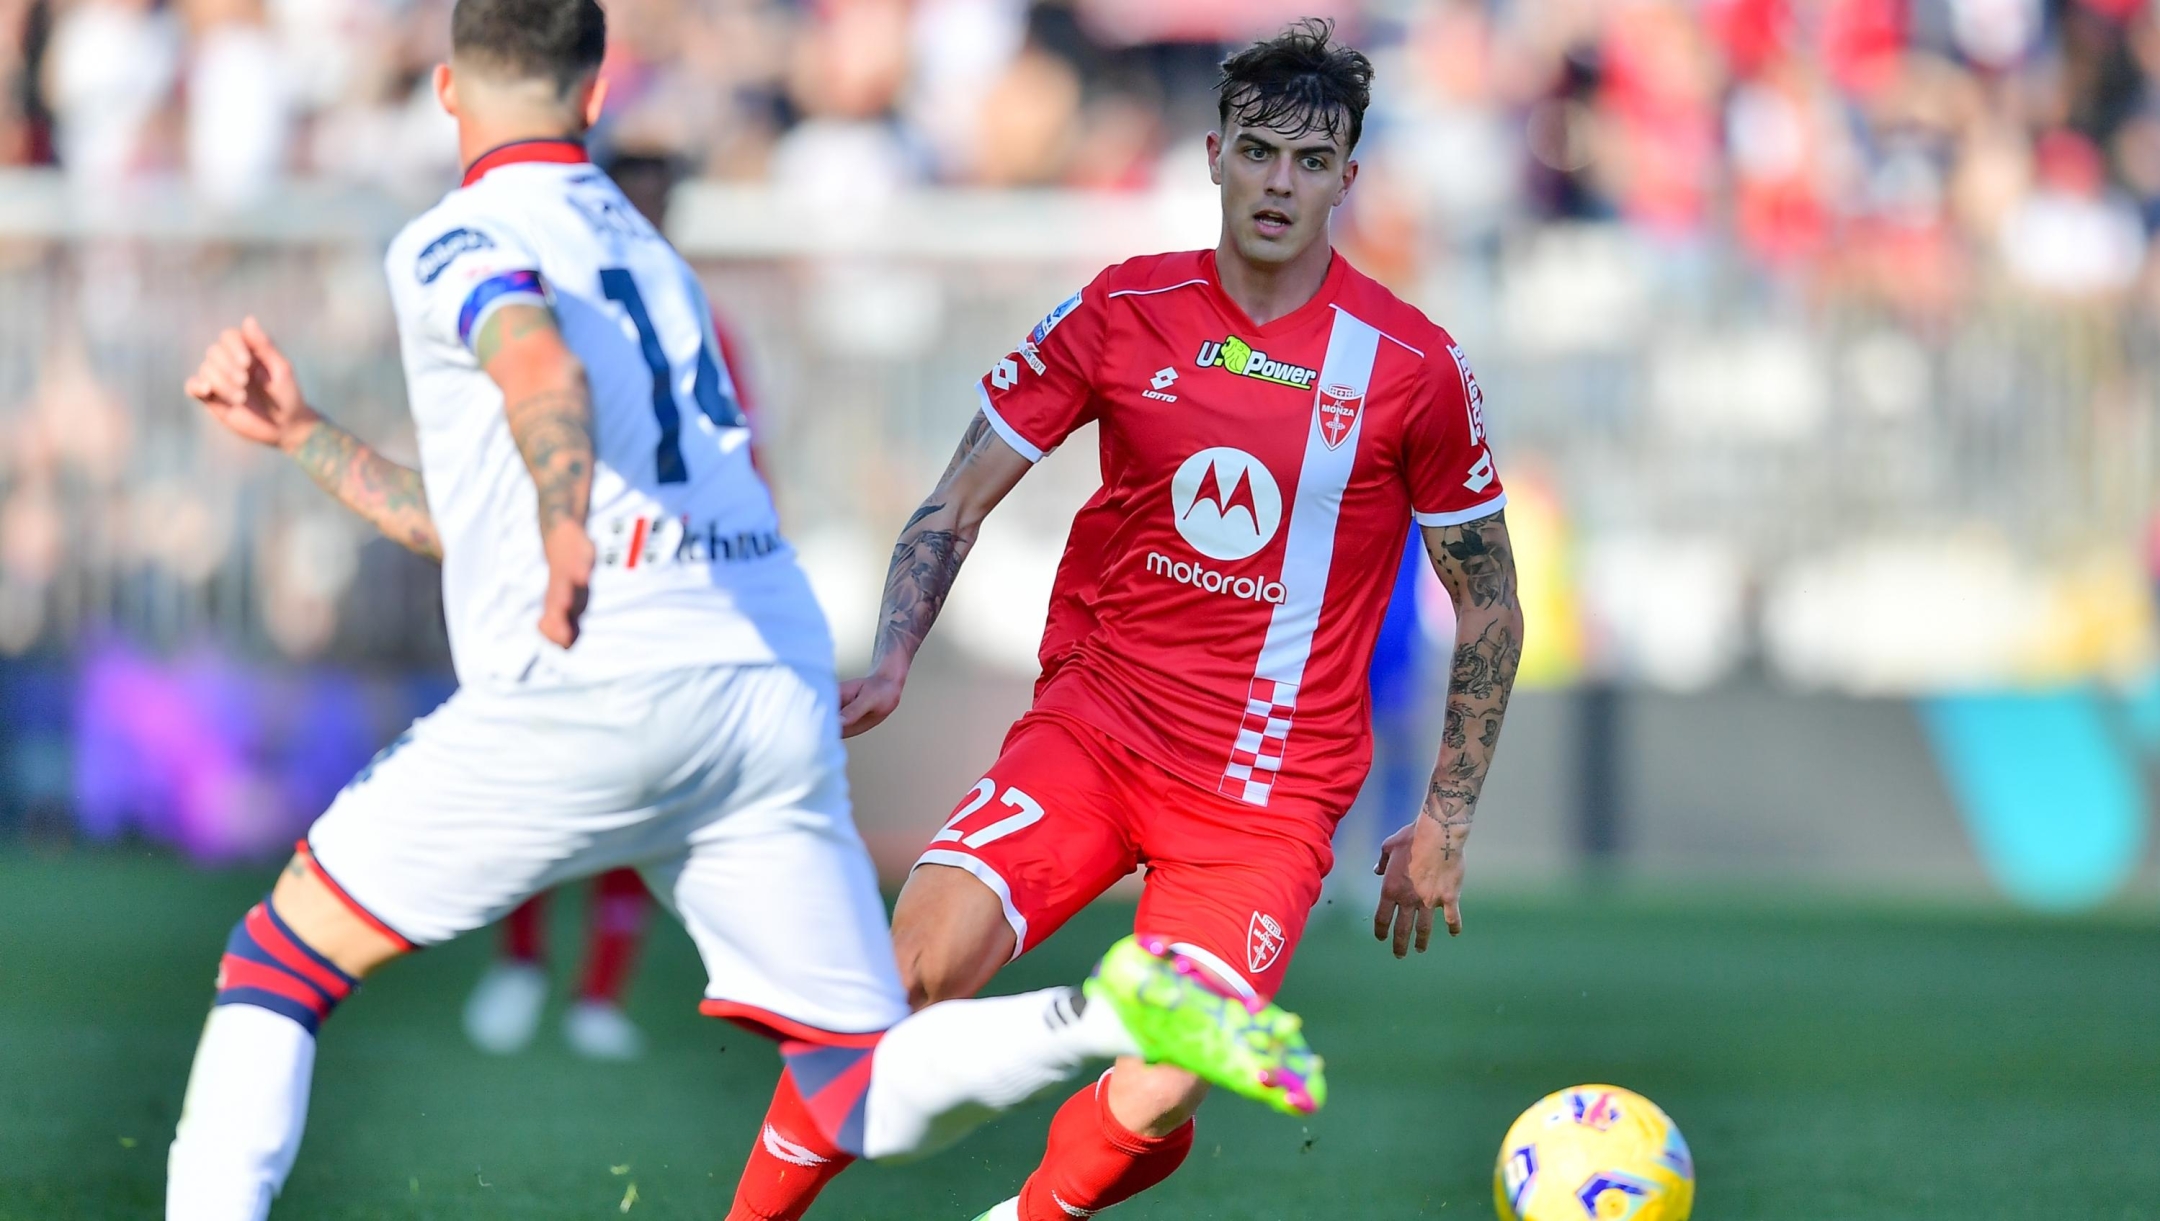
pixel 944 1071
pixel 240 1126
pixel 934 1078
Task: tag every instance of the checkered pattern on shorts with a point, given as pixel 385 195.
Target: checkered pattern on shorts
pixel 1257 755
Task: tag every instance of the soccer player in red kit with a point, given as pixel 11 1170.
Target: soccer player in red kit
pixel 1271 424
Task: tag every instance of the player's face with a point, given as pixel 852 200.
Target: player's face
pixel 1278 189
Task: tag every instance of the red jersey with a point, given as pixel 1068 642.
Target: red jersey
pixel 1217 604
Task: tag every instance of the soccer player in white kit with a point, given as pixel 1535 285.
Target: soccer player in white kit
pixel 644 678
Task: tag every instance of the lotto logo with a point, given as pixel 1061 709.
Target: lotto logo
pixel 1005 375
pixel 1225 502
pixel 1481 475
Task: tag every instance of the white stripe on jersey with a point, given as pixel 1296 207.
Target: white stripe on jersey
pixel 1308 553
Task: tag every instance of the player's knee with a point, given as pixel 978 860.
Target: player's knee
pixel 934 970
pixel 1153 1099
pixel 950 935
pixel 326 923
pixel 269 966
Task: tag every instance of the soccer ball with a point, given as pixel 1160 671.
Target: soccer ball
pixel 1594 1153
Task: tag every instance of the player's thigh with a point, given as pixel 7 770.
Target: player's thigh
pixel 478 805
pixel 772 881
pixel 1039 837
pixel 1235 898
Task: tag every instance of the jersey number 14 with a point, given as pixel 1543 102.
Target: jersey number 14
pixel 713 399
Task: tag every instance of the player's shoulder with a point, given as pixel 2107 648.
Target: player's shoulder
pixel 1152 275
pixel 1398 321
pixel 457 226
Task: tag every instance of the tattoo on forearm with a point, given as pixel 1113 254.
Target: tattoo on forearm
pixel 1477 564
pixel 553 429
pixel 926 559
pixel 390 497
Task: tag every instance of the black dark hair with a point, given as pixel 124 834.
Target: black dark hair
pixel 552 40
pixel 1300 81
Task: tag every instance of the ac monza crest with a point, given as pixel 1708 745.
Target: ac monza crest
pixel 1339 408
pixel 1263 942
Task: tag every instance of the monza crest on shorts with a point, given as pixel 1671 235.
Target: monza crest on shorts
pixel 1338 409
pixel 1263 941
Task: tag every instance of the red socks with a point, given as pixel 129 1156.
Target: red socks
pixel 524 931
pixel 1092 1162
pixel 789 1164
pixel 615 923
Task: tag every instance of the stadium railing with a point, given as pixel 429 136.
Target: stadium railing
pixel 1673 416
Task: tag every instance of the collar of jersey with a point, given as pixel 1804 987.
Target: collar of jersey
pixel 1337 268
pixel 554 151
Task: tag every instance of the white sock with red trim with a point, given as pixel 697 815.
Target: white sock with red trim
pixel 942 1072
pixel 240 1125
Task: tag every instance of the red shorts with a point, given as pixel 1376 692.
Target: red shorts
pixel 1065 812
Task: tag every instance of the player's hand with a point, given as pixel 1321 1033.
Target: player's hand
pixel 247 385
pixel 570 564
pixel 865 702
pixel 1421 867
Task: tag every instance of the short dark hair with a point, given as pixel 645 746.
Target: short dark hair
pixel 1299 81
pixel 553 40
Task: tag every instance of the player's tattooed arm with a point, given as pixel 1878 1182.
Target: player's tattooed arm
pixel 926 561
pixel 246 384
pixel 548 404
pixel 1422 864
pixel 1476 562
pixel 549 408
pixel 390 497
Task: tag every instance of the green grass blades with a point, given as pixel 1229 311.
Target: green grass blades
pixel 1825 1060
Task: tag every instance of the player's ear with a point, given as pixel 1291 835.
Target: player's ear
pixel 1349 175
pixel 446 90
pixel 593 97
pixel 1214 157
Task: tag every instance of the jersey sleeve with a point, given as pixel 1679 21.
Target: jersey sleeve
pixel 465 273
pixel 1038 393
pixel 1448 462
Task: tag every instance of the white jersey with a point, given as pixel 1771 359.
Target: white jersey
pixel 691 569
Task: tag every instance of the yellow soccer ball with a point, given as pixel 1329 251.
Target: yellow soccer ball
pixel 1594 1153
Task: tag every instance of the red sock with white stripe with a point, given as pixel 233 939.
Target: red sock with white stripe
pixel 790 1162
pixel 1092 1161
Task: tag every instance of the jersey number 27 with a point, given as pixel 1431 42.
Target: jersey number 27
pixel 712 398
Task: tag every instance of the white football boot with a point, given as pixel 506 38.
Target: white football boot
pixel 598 1030
pixel 503 1013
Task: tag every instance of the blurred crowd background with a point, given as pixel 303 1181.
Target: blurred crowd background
pixel 1896 142
pixel 1821 340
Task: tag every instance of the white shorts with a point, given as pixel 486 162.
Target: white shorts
pixel 726 787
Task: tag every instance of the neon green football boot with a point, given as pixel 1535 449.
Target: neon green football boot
pixel 1179 1013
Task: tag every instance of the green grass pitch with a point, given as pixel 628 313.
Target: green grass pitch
pixel 1827 1064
